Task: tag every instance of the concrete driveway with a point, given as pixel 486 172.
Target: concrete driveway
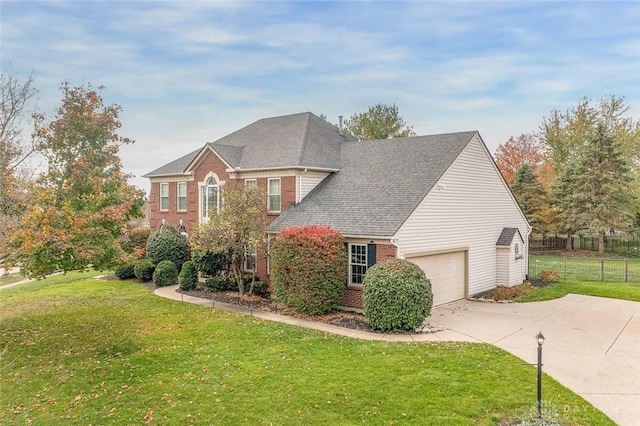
pixel 592 344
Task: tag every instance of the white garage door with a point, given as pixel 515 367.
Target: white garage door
pixel 447 274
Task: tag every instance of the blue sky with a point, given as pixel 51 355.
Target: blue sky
pixel 190 72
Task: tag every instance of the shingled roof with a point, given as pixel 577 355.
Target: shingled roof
pixel 291 141
pixel 380 183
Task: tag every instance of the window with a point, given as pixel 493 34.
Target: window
pixel 273 195
pixel 250 183
pixel 357 262
pixel 250 254
pixel 210 203
pixel 164 196
pixel 182 196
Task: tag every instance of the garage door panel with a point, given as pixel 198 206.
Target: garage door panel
pixel 447 275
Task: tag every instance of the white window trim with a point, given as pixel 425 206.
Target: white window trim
pixel 269 194
pixel 178 196
pixel 365 264
pixel 202 185
pixel 253 252
pixel 254 181
pixel 164 185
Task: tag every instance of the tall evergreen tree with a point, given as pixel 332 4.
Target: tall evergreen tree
pixel 532 197
pixel 602 191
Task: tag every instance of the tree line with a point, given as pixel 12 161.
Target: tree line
pixel 580 172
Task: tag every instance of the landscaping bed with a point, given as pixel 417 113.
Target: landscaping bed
pixel 352 320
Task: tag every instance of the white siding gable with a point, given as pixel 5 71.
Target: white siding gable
pixel 307 181
pixel 468 207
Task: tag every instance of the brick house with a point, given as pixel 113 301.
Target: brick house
pixel 438 201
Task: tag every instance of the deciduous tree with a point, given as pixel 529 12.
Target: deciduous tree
pixel 15 97
pixel 379 122
pixel 238 228
pixel 526 149
pixel 81 204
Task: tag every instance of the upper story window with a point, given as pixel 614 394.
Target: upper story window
pixel 273 195
pixel 210 199
pixel 164 196
pixel 250 183
pixel 182 196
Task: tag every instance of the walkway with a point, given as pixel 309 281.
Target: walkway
pixel 592 344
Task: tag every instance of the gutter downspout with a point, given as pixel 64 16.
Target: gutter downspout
pixel 394 242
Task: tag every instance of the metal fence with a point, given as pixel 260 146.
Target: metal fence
pixel 626 245
pixel 585 269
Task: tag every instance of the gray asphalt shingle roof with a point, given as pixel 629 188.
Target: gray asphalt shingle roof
pixel 380 183
pixel 296 140
pixel 506 236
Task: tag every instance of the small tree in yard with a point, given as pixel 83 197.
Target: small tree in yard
pixel 396 295
pixel 308 268
pixel 236 229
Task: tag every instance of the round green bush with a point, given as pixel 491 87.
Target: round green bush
pixel 143 269
pixel 396 295
pixel 188 276
pixel 219 283
pixel 168 244
pixel 309 268
pixel 165 274
pixel 125 271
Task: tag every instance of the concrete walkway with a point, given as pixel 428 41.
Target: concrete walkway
pixel 592 344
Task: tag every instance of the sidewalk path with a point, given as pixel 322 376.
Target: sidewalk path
pixel 592 344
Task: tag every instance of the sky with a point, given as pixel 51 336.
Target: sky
pixel 190 72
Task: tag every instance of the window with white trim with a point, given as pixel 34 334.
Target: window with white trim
pixel 250 183
pixel 273 195
pixel 164 196
pixel 250 255
pixel 182 196
pixel 210 203
pixel 357 262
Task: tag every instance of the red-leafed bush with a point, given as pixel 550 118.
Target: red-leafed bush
pixel 309 268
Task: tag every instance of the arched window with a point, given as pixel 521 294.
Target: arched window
pixel 210 199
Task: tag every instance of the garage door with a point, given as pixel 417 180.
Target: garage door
pixel 447 274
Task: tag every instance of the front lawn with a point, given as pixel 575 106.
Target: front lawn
pixel 110 352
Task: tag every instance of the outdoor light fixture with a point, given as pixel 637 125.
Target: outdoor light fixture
pixel 540 338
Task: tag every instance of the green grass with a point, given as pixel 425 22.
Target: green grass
pixel 11 278
pixel 587 269
pixel 80 351
pixel 614 290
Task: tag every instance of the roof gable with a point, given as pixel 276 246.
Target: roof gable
pixel 379 185
pixel 176 167
pixel 507 235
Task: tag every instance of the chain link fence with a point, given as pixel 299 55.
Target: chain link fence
pixel 587 269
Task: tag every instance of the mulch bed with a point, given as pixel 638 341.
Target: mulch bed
pixel 351 320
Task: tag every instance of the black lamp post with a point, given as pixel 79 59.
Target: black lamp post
pixel 540 338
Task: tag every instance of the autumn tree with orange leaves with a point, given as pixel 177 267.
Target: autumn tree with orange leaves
pixel 528 150
pixel 81 204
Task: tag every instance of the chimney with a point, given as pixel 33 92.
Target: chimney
pixel 340 124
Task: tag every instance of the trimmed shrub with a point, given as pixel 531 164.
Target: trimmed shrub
pixel 168 244
pixel 165 274
pixel 549 276
pixel 396 295
pixel 218 283
pixel 143 270
pixel 188 276
pixel 209 263
pixel 125 271
pixel 309 268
